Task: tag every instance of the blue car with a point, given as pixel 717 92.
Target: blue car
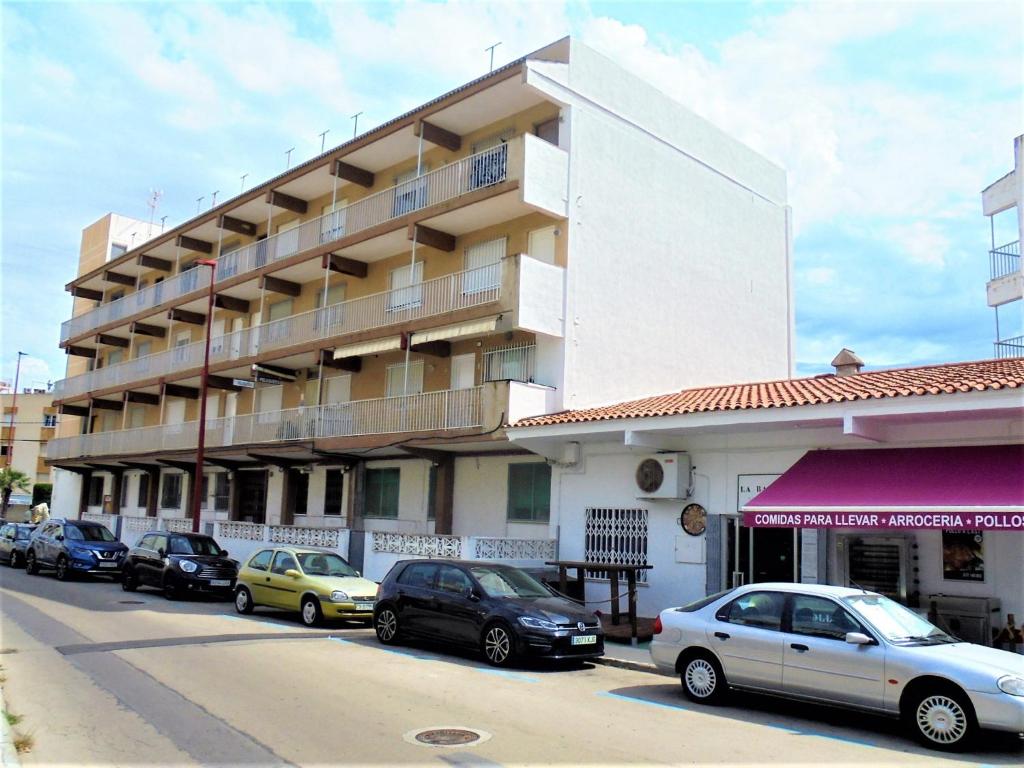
pixel 73 547
pixel 13 542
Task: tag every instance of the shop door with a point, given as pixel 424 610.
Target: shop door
pixel 252 496
pixel 758 555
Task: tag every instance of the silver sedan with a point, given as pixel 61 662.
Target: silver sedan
pixel 843 647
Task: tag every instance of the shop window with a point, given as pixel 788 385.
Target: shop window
pixel 95 491
pixel 529 492
pixel 382 492
pixel 170 495
pixel 332 497
pixel 615 535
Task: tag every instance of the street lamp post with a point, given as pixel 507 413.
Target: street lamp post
pixel 14 411
pixel 197 486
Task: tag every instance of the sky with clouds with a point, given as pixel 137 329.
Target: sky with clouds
pixel 889 118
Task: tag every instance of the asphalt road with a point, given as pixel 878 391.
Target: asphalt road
pixel 104 677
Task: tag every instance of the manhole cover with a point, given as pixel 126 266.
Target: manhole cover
pixel 447 736
pixel 131 602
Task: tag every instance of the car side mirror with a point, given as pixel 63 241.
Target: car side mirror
pixel 223 553
pixel 160 553
pixel 291 573
pixel 60 537
pixel 858 638
pixel 471 594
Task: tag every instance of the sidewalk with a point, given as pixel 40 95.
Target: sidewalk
pixel 627 656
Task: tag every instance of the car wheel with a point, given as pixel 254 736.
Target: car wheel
pixel 63 569
pixel 310 610
pixel 942 718
pixel 386 626
pixel 13 561
pixel 128 581
pixel 498 645
pixel 703 680
pixel 31 565
pixel 243 600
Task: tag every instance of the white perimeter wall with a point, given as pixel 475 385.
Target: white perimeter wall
pixel 678 271
pixel 481 499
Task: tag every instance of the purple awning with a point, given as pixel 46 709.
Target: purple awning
pixel 972 487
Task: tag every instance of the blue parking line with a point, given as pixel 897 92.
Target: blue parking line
pixel 833 737
pixel 635 700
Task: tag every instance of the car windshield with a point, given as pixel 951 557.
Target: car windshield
pixel 88 533
pixel 323 564
pixel 508 582
pixel 189 545
pixel 896 623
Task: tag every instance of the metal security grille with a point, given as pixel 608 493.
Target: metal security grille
pixel 615 536
pixel 512 363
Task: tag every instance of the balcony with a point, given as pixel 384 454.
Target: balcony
pixel 490 404
pixel 1011 347
pixel 1006 281
pixel 539 168
pixel 1004 260
pixel 489 289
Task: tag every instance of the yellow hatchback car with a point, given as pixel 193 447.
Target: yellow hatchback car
pixel 316 583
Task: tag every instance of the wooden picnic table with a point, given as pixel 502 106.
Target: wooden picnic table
pixel 613 570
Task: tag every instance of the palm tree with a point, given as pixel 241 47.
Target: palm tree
pixel 12 480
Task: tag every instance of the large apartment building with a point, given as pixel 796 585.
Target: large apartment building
pixel 1005 289
pixel 557 234
pixel 29 423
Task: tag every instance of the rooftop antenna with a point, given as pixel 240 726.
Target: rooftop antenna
pixel 323 138
pixel 214 203
pixel 355 124
pixel 491 49
pixel 153 203
pixel 199 202
pixel 288 155
pixel 244 175
pixel 133 240
pixel 163 223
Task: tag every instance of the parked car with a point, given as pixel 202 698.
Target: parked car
pixel 842 647
pixel 14 541
pixel 316 583
pixel 500 610
pixel 74 547
pixel 179 564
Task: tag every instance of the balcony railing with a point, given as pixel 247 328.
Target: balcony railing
pixel 512 363
pixel 460 290
pixel 461 177
pixel 1004 260
pixel 426 412
pixel 1011 347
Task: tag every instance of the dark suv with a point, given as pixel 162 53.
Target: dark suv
pixel 179 563
pixel 501 610
pixel 74 546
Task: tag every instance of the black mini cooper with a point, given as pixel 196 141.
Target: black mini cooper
pixel 179 563
pixel 501 610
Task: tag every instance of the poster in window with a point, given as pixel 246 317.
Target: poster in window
pixel 963 556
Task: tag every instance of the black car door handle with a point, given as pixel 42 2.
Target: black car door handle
pixel 722 635
pixel 799 647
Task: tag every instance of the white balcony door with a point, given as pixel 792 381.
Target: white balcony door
pixel 174 416
pixel 463 371
pixel 217 338
pixel 280 328
pixel 181 341
pixel 542 245
pixel 406 284
pixel 396 379
pixel 115 356
pixel 331 319
pixel 254 333
pixel 332 221
pixel 237 324
pixel 268 400
pixel 483 265
pixel 136 416
pixel 287 239
pixel 338 389
pixel 230 410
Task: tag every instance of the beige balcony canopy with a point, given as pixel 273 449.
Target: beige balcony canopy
pixel 369 347
pixel 471 328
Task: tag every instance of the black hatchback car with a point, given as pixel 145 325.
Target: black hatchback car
pixel 501 610
pixel 179 563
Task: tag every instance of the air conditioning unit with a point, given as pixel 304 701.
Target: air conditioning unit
pixel 663 476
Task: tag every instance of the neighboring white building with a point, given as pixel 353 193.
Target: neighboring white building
pixel 1006 279
pixel 722 447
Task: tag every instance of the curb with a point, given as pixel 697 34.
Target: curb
pixel 8 754
pixel 636 666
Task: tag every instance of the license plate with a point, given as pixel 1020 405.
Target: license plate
pixel 220 582
pixel 108 565
pixel 364 606
pixel 585 640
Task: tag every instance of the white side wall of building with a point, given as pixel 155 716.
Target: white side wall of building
pixel 481 499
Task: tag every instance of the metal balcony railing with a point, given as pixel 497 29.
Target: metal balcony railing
pixel 461 177
pixel 1011 347
pixel 511 363
pixel 426 412
pixel 1004 260
pixel 460 290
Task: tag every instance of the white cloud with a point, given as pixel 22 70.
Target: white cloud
pixel 819 275
pixel 922 242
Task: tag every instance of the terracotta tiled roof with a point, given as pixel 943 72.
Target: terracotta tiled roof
pixel 828 388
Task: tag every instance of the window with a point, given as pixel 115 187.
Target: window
pixel 453 580
pixel 418 575
pixel 483 265
pixel 124 492
pixel 332 497
pixel 49 420
pixel 332 221
pixel 117 249
pixel 615 535
pixel 432 493
pixel 298 491
pixel 95 491
pixel 148 541
pixel 405 287
pixel 279 328
pixel 160 542
pixel 221 491
pixel 333 316
pixel 382 492
pixel 261 560
pixel 396 380
pixel 489 161
pixel 820 617
pixel 755 609
pixel 170 496
pixel 512 363
pixel 287 241
pixel 136 416
pixel 548 130
pixel 410 191
pixel 284 562
pixel 205 493
pixel 143 348
pixel 529 492
pixel 143 499
pixel 115 356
